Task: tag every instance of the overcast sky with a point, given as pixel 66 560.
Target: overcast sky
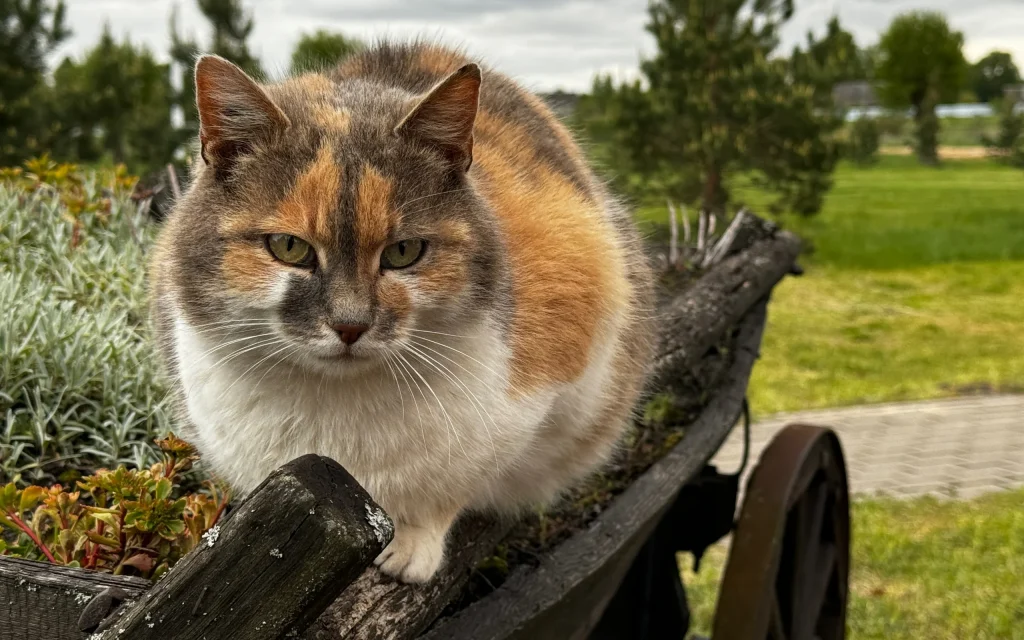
pixel 547 44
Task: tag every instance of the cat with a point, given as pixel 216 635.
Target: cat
pixel 405 264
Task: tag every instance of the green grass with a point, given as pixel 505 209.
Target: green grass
pixel 922 568
pixel 913 289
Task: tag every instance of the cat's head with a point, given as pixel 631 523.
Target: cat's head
pixel 332 223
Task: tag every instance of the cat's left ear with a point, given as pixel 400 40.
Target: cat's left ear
pixel 444 117
pixel 234 112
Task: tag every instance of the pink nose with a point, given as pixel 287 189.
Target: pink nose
pixel 349 333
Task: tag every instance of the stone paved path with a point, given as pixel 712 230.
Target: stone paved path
pixel 953 448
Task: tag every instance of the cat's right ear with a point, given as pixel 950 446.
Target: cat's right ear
pixel 444 117
pixel 234 112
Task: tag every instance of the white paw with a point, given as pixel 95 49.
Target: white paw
pixel 414 555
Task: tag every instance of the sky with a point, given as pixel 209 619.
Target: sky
pixel 546 44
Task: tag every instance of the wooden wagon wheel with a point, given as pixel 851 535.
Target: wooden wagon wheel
pixel 787 573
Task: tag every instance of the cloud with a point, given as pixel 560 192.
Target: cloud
pixel 547 44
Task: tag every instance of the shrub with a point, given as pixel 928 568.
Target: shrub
pixel 121 521
pixel 78 385
pixel 1008 145
pixel 862 147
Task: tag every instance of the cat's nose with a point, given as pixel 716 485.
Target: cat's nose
pixel 349 333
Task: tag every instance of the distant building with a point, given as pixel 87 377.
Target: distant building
pixel 857 93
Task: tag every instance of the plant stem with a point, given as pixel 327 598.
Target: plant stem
pixel 32 534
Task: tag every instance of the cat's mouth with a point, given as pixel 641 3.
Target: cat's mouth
pixel 346 355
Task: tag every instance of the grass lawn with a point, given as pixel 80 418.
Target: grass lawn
pixel 913 289
pixel 924 568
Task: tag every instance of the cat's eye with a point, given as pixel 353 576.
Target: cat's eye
pixel 402 254
pixel 290 250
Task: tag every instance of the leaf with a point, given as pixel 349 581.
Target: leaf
pixel 106 518
pixel 162 490
pixel 103 540
pixel 30 497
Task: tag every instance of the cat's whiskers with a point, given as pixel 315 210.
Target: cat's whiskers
pixel 462 386
pixel 245 348
pixel 412 396
pixel 234 354
pixel 235 341
pixel 280 360
pixel 437 333
pixel 449 422
pixel 401 398
pixel 466 355
pixel 227 325
pixel 238 378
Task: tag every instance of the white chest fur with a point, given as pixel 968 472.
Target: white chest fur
pixel 440 421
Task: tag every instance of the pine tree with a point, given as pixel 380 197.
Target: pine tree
pixel 830 60
pixel 232 26
pixel 116 102
pixel 716 106
pixel 29 30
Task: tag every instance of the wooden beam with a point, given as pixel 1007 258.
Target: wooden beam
pixel 40 600
pixel 284 554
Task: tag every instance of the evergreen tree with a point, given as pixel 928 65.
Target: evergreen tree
pixel 231 26
pixel 715 106
pixel 921 65
pixel 322 50
pixel 29 30
pixel 832 59
pixel 116 102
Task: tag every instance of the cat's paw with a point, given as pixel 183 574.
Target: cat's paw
pixel 414 555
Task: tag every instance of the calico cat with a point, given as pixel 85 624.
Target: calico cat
pixel 404 264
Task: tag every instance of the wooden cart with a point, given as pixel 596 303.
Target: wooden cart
pixel 294 558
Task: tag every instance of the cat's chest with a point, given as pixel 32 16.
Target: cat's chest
pixel 387 420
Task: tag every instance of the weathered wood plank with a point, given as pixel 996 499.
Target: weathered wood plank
pixel 564 596
pixel 285 554
pixel 40 600
pixel 694 321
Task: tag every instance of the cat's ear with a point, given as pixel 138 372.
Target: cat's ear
pixel 234 112
pixel 444 117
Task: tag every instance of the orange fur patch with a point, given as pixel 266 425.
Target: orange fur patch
pixel 568 273
pixel 247 269
pixel 306 211
pixel 394 296
pixel 332 118
pixel 447 276
pixel 374 215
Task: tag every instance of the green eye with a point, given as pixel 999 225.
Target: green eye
pixel 402 254
pixel 290 250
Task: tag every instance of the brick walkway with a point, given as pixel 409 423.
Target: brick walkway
pixel 952 448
